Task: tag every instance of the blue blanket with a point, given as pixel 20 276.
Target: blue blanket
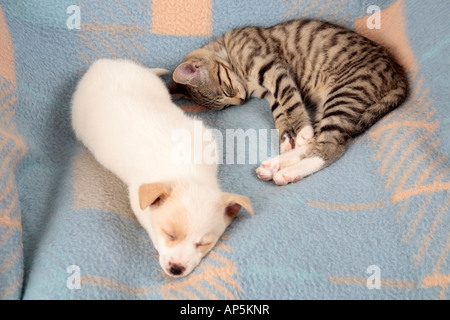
pixel 374 225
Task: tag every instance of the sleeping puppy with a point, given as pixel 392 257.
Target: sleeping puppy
pixel 124 115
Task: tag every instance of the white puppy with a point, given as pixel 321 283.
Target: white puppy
pixel 124 115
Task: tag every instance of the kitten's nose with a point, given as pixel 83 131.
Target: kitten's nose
pixel 242 100
pixel 176 270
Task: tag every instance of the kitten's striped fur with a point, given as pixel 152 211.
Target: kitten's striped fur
pixel 349 81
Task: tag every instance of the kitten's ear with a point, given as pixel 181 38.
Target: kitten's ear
pixel 179 90
pixel 193 73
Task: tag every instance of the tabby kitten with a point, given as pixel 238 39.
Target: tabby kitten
pixel 349 82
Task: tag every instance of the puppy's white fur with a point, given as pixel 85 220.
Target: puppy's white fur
pixel 124 115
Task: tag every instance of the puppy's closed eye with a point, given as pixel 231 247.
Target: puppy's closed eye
pixel 203 245
pixel 169 235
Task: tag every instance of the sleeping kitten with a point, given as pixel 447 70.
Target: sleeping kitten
pixel 349 81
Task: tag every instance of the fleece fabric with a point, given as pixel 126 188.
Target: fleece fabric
pixel 373 225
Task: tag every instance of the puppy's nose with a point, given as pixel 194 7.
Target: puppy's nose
pixel 176 270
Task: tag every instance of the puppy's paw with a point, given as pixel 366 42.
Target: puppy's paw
pixel 306 134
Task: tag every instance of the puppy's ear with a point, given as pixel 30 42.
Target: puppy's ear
pixel 153 194
pixel 233 204
pixel 179 91
pixel 192 72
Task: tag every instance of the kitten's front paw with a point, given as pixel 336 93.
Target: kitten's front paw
pixel 264 174
pixel 306 134
pixel 267 169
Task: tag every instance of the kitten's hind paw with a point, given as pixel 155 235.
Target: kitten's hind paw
pixel 287 143
pixel 282 179
pixel 298 171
